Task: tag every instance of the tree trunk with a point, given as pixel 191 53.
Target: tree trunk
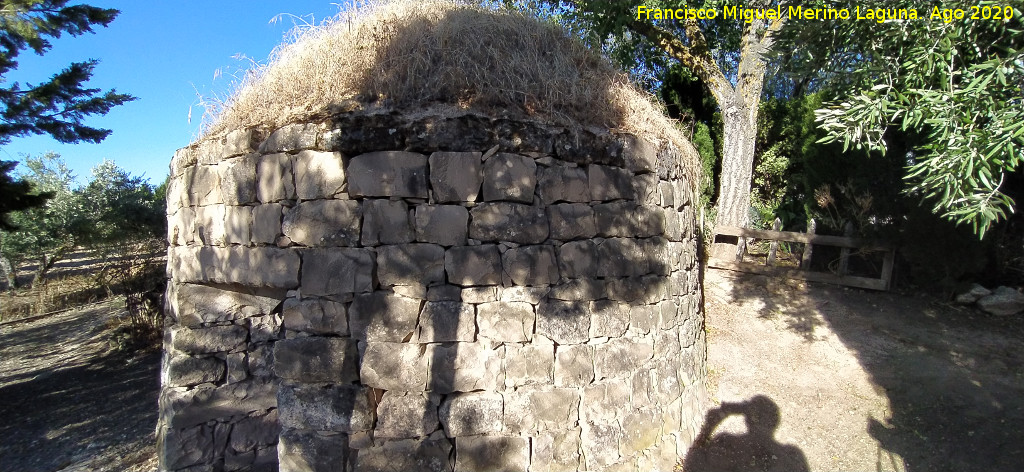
pixel 737 163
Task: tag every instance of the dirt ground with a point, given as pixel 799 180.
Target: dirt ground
pixel 809 377
pixel 838 379
pixel 69 404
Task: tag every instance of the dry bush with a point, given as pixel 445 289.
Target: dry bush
pixel 422 54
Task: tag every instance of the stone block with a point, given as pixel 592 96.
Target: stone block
pixel 643 318
pixel 264 328
pixel 417 264
pixel 383 317
pixel 318 174
pixel 639 154
pixel 208 340
pixel 331 272
pixel 182 409
pixel 564 322
pixel 479 294
pixel 261 361
pixel 181 227
pixel 386 222
pixel 274 178
pixel 468 414
pixel 455 176
pixel 314 359
pixel 578 259
pixel 210 225
pixel 291 138
pixel 574 365
pixel 506 322
pixel 463 367
pixel 395 366
pixel 492 454
pixel 312 451
pixel 340 408
pixel 509 177
pixel 601 445
pixel 446 321
pixel 578 289
pixel 629 220
pixel 254 267
pixel 530 410
pixel 444 293
pixel 406 415
pixel 556 451
pixel 266 223
pixel 531 295
pixel 473 265
pixel 514 222
pixel 446 225
pixel 195 305
pixel 180 448
pixel 529 364
pixel 388 174
pixel 609 183
pixel 563 184
pixel 620 357
pixel 315 316
pixel 531 265
pixel 645 187
pixel 572 221
pixel 237 367
pixel 203 184
pixel 621 257
pixel 405 455
pixel 255 431
pixel 323 223
pixel 608 318
pixel 237 222
pixel 641 430
pixel 645 289
pixel 238 180
pixel 184 371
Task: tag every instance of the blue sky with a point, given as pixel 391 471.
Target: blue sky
pixel 162 52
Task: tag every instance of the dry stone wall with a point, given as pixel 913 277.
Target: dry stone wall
pixel 384 292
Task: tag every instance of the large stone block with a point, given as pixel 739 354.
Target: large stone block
pixel 531 265
pixel 311 451
pixel 274 178
pixel 238 180
pixel 341 408
pixel 237 223
pixel 386 222
pixel 609 183
pixel 266 223
pixel 644 289
pixel 446 321
pixel 578 259
pixel 182 409
pixel 506 322
pixel 556 451
pixel 180 448
pixel 208 340
pixel 255 267
pixel 492 454
pixel 203 184
pixel 388 174
pixel 455 176
pixel 639 154
pixel 257 430
pixel 463 367
pixel 574 365
pixel 572 221
pixel 515 222
pixel 323 223
pixel 629 220
pixel 622 257
pixel 641 430
pixel 406 415
pixel 316 359
pixel 264 328
pixel 608 318
pixel 473 265
pixel 184 371
pixel 292 138
pixel 210 225
pixel 181 227
pixel 509 177
pixel 468 414
pixel 318 174
pixel 315 316
pixel 331 272
pixel 620 357
pixel 410 264
pixel 395 366
pixel 383 317
pixel 405 455
pixel 529 410
pixel 564 322
pixel 446 225
pixel 579 289
pixel 529 364
pixel 563 184
pixel 194 305
pixel 601 445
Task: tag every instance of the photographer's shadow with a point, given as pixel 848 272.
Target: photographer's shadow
pixel 756 450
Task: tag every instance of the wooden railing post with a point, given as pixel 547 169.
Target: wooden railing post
pixel 844 253
pixel 774 247
pixel 805 260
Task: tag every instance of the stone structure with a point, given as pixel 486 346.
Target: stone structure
pixel 400 292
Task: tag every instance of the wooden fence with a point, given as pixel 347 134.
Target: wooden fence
pixel 809 239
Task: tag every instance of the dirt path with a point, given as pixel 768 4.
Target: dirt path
pixel 67 404
pixel 860 380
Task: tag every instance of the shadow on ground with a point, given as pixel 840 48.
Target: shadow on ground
pixel 954 376
pixel 63 397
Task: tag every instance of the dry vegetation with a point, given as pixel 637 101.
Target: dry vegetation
pixel 422 54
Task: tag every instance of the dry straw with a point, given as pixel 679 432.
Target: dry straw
pixel 421 54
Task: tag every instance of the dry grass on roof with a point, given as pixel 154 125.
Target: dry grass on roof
pixel 407 54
